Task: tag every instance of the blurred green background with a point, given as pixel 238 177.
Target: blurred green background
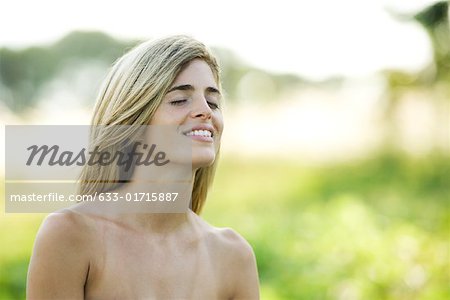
pixel 359 224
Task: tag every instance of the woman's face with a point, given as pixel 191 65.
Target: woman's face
pixel 193 105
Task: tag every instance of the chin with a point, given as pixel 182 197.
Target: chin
pixel 204 159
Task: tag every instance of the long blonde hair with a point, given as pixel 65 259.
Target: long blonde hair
pixel 130 95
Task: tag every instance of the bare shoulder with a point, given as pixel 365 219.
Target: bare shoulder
pixel 65 226
pixel 237 260
pixel 225 240
pixel 233 244
pixel 60 260
pixel 65 230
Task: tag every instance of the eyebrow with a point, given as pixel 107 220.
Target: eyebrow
pixel 188 87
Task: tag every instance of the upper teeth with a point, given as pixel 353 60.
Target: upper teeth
pixel 200 133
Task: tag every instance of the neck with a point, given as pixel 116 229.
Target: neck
pixel 157 216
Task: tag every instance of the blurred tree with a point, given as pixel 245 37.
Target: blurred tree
pixel 435 21
pixel 90 45
pixel 24 72
pixel 434 80
pixel 21 74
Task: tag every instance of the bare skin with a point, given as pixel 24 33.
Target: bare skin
pixel 85 253
pixel 80 256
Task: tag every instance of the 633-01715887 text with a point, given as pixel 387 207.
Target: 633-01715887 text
pixel 139 197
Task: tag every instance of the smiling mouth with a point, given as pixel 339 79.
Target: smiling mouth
pixel 201 133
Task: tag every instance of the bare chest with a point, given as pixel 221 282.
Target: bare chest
pixel 128 266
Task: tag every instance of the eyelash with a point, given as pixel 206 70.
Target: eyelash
pixel 181 102
pixel 177 102
pixel 213 105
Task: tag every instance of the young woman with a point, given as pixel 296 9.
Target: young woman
pixel 84 253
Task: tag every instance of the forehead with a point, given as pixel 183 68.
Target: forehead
pixel 196 71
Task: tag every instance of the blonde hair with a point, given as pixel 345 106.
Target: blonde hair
pixel 130 95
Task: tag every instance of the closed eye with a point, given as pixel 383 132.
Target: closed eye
pixel 213 105
pixel 178 102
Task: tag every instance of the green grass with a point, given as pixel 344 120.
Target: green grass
pixel 372 229
pixel 16 239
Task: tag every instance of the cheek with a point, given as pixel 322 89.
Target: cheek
pixel 167 116
pixel 218 122
pixel 157 117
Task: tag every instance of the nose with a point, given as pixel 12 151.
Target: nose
pixel 201 109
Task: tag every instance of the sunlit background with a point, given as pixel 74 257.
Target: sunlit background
pixel 335 163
